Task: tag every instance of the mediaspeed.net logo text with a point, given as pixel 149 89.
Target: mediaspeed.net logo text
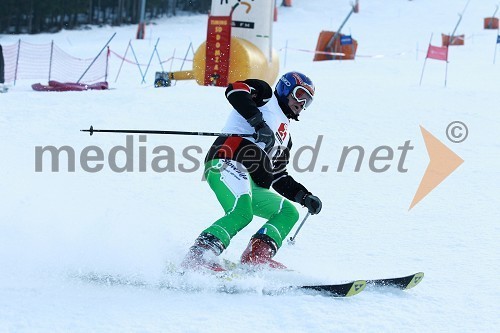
pixel 139 157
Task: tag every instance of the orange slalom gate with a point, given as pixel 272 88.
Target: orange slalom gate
pixel 323 40
pixel 491 23
pixel 457 40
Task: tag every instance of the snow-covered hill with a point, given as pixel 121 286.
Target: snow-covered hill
pixel 54 225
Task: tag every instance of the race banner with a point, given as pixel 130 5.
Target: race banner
pixel 438 52
pixel 218 50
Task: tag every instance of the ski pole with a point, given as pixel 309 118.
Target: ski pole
pixel 97 56
pixel 92 131
pixel 291 240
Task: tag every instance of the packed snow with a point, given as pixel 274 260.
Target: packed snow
pixel 59 228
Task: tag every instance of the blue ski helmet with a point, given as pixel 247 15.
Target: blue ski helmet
pixel 300 86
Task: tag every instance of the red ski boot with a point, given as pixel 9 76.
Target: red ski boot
pixel 203 254
pixel 260 251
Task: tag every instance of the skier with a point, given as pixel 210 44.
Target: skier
pixel 240 171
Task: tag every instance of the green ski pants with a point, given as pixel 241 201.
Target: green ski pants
pixel 241 199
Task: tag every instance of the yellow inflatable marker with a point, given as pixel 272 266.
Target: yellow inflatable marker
pixel 245 61
pixel 248 31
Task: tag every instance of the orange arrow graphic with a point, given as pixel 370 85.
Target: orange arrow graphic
pixel 442 163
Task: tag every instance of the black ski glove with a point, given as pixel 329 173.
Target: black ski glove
pixel 312 202
pixel 263 133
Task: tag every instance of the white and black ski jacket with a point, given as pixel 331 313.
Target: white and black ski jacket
pixel 266 168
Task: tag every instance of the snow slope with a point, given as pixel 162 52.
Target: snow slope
pixel 55 225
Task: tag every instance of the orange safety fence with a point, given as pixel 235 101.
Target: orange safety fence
pixel 24 60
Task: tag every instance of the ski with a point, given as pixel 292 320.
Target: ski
pixel 229 283
pixel 355 287
pixel 225 286
pixel 338 290
pixel 403 283
pixel 330 290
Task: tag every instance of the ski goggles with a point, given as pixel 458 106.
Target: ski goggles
pixel 302 94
